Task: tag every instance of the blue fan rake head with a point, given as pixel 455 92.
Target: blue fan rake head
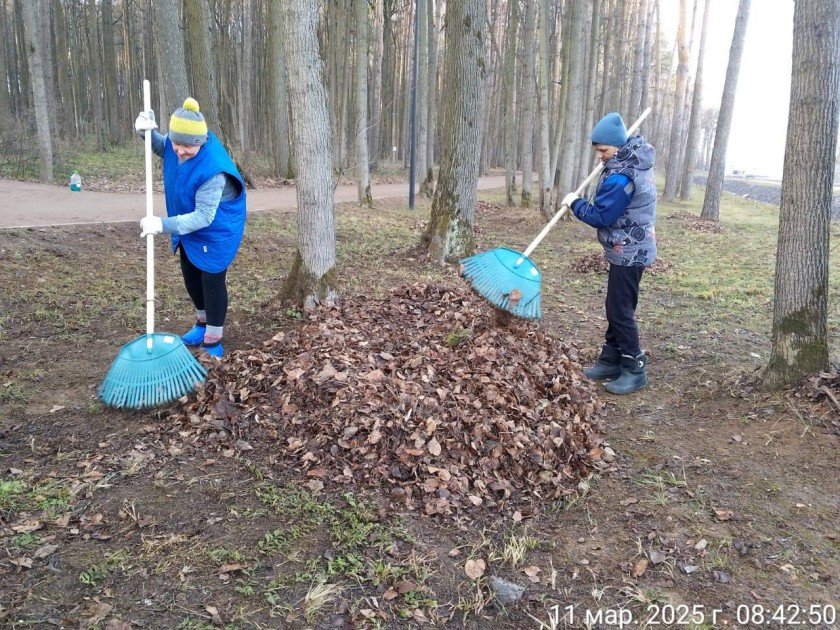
pixel 496 276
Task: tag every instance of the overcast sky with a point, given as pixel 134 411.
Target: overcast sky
pixel 759 124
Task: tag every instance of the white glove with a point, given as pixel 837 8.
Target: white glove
pixel 150 225
pixel 569 199
pixel 145 121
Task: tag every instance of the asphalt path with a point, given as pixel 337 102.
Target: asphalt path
pixel 28 204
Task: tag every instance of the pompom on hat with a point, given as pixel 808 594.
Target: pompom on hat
pixel 610 131
pixel 187 125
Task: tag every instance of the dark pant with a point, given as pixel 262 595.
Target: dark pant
pixel 622 297
pixel 208 291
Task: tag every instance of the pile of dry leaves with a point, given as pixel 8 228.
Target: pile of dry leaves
pixel 696 224
pixel 422 393
pixel 595 262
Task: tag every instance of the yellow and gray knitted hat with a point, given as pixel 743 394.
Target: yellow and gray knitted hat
pixel 187 125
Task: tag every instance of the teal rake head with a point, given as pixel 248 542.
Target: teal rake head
pixel 496 276
pixel 150 371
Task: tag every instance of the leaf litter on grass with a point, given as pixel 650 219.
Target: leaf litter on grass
pixel 376 393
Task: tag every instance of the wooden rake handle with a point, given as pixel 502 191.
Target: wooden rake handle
pixel 559 214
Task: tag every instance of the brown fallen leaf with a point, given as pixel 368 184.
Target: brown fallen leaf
pixel 657 556
pixel 474 568
pixel 27 527
pixel 23 562
pixel 723 515
pixel 434 447
pixel 46 550
pixel 214 615
pixel 640 567
pixel 231 567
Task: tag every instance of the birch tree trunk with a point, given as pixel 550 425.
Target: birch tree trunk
pixel 799 335
pixel 36 61
pixel 362 166
pixel 170 55
pixel 714 183
pixel 449 235
pixel 312 278
pixel 693 130
pixel 510 118
pixel 529 82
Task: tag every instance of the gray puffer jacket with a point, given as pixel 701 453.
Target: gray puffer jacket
pixel 631 240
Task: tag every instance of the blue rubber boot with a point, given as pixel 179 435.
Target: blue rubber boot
pixel 195 335
pixel 214 349
pixel 608 365
pixel 633 375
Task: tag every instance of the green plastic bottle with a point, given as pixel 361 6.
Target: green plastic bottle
pixel 76 182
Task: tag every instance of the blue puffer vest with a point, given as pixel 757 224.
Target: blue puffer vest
pixel 631 240
pixel 214 247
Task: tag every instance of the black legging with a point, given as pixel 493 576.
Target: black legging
pixel 208 291
pixel 622 298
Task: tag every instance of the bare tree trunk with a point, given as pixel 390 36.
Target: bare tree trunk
pixel 375 108
pixel 570 159
pixel 94 86
pixel 714 183
pixel 544 150
pixel 362 166
pixel 202 66
pixel 650 52
pixel 529 83
pixel 800 335
pixel 281 150
pixel 312 278
pixel 423 95
pixel 510 118
pixel 693 133
pixel 112 108
pixel 389 82
pixel 589 100
pixel 34 54
pixel 5 82
pixel 435 10
pixel 638 59
pixel 63 69
pixel 170 55
pixel 245 105
pixel 674 168
pixel 449 235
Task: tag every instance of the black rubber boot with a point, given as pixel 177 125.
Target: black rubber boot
pixel 607 366
pixel 633 375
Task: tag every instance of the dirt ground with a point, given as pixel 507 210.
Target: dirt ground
pixel 720 507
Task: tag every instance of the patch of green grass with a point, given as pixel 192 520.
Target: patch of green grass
pixel 98 573
pixel 25 541
pixel 12 393
pixel 47 497
pixel 221 555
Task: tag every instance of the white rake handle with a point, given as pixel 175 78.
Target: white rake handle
pixel 595 172
pixel 150 239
